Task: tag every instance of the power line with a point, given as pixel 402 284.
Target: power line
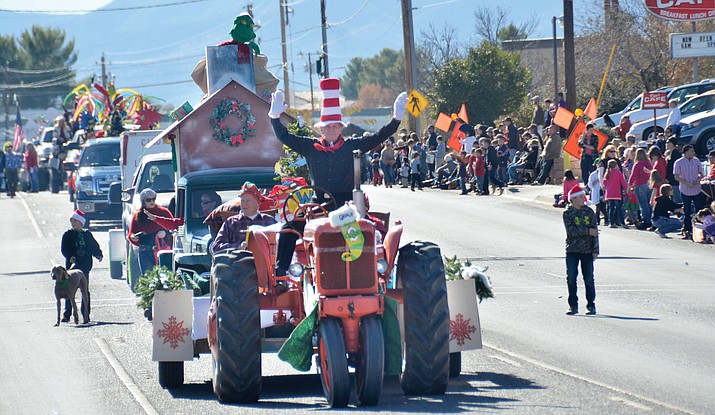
pixel 34 71
pixel 116 9
pixel 162 84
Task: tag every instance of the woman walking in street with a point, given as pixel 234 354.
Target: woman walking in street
pixel 13 163
pixel 31 165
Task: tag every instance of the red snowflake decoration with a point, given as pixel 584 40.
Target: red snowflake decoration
pixel 460 329
pixel 173 332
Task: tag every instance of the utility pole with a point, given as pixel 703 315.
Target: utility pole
pixel 324 48
pixel 5 97
pixel 310 71
pixel 569 56
pixel 104 72
pixel 410 59
pixel 556 62
pixel 286 85
pixel 696 76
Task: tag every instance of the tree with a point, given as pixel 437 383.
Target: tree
pixel 37 66
pixel 489 81
pixel 350 82
pixel 385 69
pixel 491 25
pixel 511 32
pixel 373 95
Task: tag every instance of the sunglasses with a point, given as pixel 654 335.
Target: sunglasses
pixel 150 199
pixel 611 151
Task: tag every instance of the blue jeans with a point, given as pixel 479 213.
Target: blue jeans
pixel 690 202
pixel 34 180
pixel 572 261
pixel 511 170
pixel 546 166
pixel 667 225
pixel 586 167
pixel 643 195
pixel 147 261
pixel 615 212
pixel 389 173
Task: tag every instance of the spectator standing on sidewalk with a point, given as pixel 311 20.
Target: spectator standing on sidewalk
pixel 31 165
pixel 415 166
pixel 688 171
pixel 582 247
pixel 638 183
pixel 13 164
pixel 589 149
pixel 615 186
pixel 512 137
pixel 551 151
pixel 672 154
pixel 537 117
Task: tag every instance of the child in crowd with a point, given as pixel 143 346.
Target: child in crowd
pixel 664 206
pixel 478 170
pixel 415 176
pixel 503 155
pixel 462 161
pixel 655 182
pixel 704 220
pixel 561 199
pixel 632 208
pixel 616 187
pixel 375 164
pixel 405 172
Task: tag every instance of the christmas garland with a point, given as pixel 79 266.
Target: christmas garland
pixel 455 269
pixel 218 123
pixel 159 278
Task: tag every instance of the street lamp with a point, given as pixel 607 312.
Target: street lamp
pixel 560 19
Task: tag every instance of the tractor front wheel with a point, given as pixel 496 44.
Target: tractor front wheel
pixel 420 272
pixel 237 366
pixel 371 364
pixel 171 374
pixel 333 364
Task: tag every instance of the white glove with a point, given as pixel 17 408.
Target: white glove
pixel 278 104
pixel 400 106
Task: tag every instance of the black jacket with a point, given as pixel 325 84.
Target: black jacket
pixel 333 171
pixel 82 246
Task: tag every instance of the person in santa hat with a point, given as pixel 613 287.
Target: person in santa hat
pixel 582 247
pixel 330 157
pixel 78 247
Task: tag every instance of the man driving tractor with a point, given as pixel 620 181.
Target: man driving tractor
pixel 330 158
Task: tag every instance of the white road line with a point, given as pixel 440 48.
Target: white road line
pixel 630 403
pixel 32 217
pixel 589 380
pixel 125 378
pixel 505 360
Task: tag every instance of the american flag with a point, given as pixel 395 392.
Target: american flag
pixel 19 134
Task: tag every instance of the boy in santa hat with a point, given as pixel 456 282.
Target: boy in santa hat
pixel 582 247
pixel 329 158
pixel 78 248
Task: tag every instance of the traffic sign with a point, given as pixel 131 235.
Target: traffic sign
pixel 692 45
pixel 416 103
pixel 655 101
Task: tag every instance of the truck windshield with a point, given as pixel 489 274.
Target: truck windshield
pixel 100 155
pixel 157 175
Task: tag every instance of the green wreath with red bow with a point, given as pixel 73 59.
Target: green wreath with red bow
pixel 219 124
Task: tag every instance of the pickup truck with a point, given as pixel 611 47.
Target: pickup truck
pixel 97 169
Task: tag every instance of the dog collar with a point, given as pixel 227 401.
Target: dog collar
pixel 63 283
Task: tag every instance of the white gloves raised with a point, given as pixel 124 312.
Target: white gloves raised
pixel 400 106
pixel 278 104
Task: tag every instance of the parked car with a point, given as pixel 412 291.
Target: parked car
pixel 698 130
pixel 98 168
pixel 632 106
pixel 644 130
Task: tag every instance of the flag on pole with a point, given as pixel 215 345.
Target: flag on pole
pixel 463 114
pixel 571 145
pixel 591 110
pixel 443 122
pixel 19 134
pixel 563 118
pixel 457 135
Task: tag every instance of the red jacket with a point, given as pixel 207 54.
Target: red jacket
pixel 164 221
pixel 477 166
pixel 615 185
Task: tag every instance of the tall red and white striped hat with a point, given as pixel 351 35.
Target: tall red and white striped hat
pixel 331 112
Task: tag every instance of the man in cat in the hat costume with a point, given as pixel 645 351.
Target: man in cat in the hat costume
pixel 329 158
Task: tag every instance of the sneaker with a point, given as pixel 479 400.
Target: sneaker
pixel 572 311
pixel 591 310
pixel 65 319
pixel 613 226
pixel 661 234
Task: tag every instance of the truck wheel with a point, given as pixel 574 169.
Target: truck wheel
pixel 371 364
pixel 705 144
pixel 171 374
pixel 455 364
pixel 237 368
pixel 333 364
pixel 420 272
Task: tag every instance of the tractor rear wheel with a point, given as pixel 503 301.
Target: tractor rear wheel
pixel 420 272
pixel 371 364
pixel 333 364
pixel 455 364
pixel 237 368
pixel 171 374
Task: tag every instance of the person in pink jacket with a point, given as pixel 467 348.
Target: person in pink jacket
pixel 616 187
pixel 638 183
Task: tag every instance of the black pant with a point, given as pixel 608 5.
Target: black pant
pixel 689 202
pixel 68 305
pixel 416 179
pixel 12 177
pixel 545 167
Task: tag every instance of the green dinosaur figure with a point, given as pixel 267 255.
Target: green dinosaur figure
pixel 242 31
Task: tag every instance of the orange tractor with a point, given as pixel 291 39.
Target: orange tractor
pixel 340 281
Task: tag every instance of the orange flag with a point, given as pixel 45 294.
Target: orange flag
pixel 563 118
pixel 591 110
pixel 463 113
pixel 571 145
pixel 455 137
pixel 443 122
pixel 602 139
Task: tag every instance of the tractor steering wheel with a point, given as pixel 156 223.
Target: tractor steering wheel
pixel 303 199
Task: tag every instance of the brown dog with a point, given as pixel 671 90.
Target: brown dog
pixel 66 284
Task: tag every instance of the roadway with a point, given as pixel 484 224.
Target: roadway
pixel 649 350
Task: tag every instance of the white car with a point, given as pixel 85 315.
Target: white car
pixel 643 130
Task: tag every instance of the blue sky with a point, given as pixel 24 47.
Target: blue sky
pixel 156 49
